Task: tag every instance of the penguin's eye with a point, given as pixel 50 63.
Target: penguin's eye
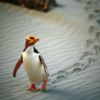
pixel 31 37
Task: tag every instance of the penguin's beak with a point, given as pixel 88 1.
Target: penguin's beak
pixel 32 40
pixel 36 39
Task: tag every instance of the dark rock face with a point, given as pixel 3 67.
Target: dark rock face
pixel 42 5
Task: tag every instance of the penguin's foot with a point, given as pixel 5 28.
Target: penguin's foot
pixel 43 86
pixel 32 87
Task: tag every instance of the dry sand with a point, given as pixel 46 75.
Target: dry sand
pixel 69 42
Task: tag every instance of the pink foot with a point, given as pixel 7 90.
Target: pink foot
pixel 32 87
pixel 43 86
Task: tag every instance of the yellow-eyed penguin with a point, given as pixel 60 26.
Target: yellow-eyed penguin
pixel 34 64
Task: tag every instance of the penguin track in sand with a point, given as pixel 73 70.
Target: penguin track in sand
pixel 92 28
pixel 89 42
pixel 98 36
pixel 92 16
pixel 90 56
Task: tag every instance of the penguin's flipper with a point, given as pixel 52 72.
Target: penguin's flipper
pixel 44 65
pixel 17 66
pixel 42 62
pixel 35 50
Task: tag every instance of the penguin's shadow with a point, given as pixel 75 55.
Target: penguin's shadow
pixel 60 94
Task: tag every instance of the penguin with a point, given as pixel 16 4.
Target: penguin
pixel 34 64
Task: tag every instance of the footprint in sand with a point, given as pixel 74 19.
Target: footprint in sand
pixel 89 42
pixel 92 16
pixel 98 36
pixel 60 77
pixel 61 72
pixel 92 28
pixel 98 21
pixel 76 70
pixel 97 49
pixel 78 64
pixel 85 54
pixel 92 60
pixel 89 2
pixel 97 10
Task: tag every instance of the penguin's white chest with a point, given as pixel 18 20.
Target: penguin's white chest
pixel 33 67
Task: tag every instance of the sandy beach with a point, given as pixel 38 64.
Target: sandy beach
pixel 69 42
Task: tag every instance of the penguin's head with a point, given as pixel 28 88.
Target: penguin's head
pixel 30 40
